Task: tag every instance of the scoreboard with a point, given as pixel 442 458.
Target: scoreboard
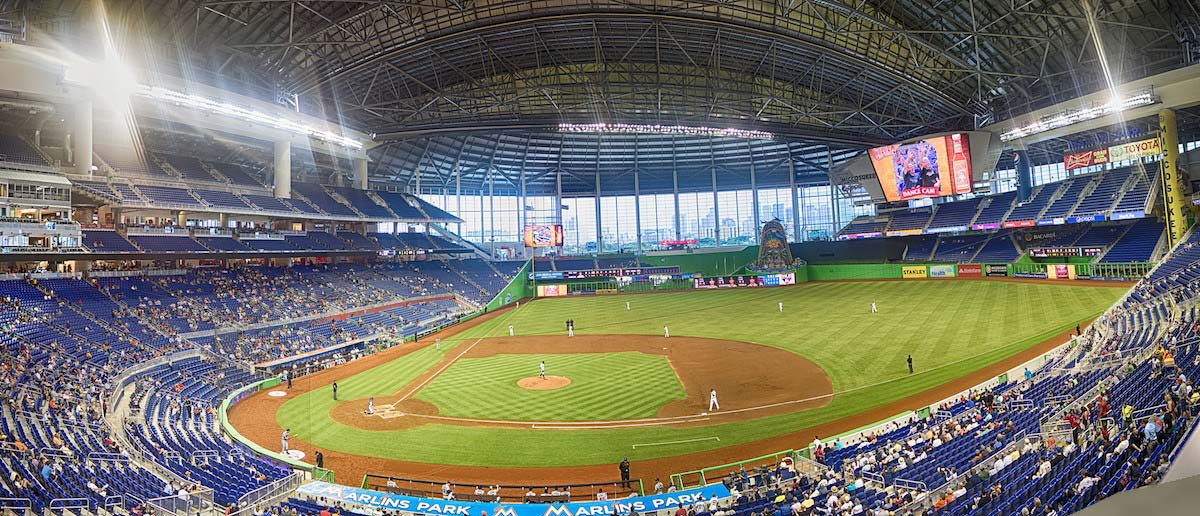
pixel 1060 252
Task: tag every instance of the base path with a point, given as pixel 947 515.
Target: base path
pixel 252 417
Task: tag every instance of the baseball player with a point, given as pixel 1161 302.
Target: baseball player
pixel 571 331
pixel 542 370
pixel 627 306
pixel 781 307
pixel 510 330
pixel 283 440
pixel 874 309
pixel 666 332
pixel 370 406
pixel 713 406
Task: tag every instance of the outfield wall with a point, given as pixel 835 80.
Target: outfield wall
pixel 517 289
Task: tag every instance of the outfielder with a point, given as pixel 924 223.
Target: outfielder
pixel 781 307
pixel 874 309
pixel 510 330
pixel 542 370
pixel 666 332
pixel 627 306
pixel 713 406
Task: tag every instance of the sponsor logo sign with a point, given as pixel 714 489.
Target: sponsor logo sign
pixel 380 500
pixel 941 271
pixel 1135 150
pixel 1019 223
pixel 970 270
pixel 948 229
pixel 1085 159
pixel 914 271
pixel 995 270
pixel 980 227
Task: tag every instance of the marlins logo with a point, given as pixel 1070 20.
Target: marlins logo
pixel 557 510
pixel 504 511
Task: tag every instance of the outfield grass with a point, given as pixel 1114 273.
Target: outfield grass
pixel 604 386
pixel 951 328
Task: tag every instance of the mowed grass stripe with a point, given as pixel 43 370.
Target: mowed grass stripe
pixel 623 385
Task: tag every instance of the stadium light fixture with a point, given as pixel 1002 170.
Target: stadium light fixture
pixel 1141 98
pixel 202 103
pixel 680 130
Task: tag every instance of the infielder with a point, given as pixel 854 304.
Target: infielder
pixel 713 406
pixel 542 370
pixel 666 332
pixel 570 331
pixel 510 330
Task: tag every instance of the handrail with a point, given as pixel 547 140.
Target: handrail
pixel 69 503
pixel 8 503
pixel 268 494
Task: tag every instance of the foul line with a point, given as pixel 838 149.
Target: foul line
pixel 710 438
pixel 437 373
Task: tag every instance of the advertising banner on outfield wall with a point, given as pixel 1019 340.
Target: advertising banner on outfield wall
pixel 914 271
pixel 437 507
pixel 941 271
pixel 762 280
pixel 1060 271
pixel 551 290
pixel 995 270
pixel 970 270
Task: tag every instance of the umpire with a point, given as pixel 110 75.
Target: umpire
pixel 624 472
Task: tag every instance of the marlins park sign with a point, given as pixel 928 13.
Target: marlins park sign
pixel 381 500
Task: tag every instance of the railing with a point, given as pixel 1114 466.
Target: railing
pixel 196 502
pixel 68 503
pixel 269 494
pixel 508 493
pixel 108 457
pixel 16 503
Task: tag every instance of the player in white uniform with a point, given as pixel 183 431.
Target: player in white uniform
pixel 627 306
pixel 370 406
pixel 666 332
pixel 712 401
pixel 874 309
pixel 283 440
pixel 510 330
pixel 542 370
pixel 781 307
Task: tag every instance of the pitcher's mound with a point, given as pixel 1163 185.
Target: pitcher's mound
pixel 537 383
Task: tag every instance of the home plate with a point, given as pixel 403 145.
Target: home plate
pixel 277 394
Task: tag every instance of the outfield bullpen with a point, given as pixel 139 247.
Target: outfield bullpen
pixel 458 407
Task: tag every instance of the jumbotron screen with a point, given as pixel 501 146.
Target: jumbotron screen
pixel 933 167
pixel 544 235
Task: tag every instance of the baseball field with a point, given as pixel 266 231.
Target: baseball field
pixel 619 388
